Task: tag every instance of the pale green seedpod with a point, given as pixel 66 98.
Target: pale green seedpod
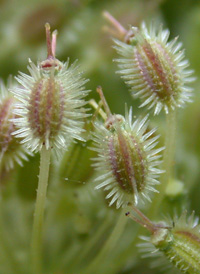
pixel 176 243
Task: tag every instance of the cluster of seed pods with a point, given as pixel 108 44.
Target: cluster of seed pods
pixel 157 73
pixel 48 110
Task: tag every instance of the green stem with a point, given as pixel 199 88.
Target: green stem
pixel 93 240
pixel 4 237
pixel 168 161
pixel 36 241
pixel 6 246
pixel 95 266
pixel 1 166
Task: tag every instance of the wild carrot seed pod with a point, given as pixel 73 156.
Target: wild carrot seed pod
pixel 127 159
pixel 155 69
pixel 11 150
pixel 51 102
pixel 177 243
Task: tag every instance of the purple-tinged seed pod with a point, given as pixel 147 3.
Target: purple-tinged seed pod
pixel 11 151
pixel 127 159
pixel 51 108
pixel 153 68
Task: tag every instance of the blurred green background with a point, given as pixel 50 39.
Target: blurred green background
pixel 78 220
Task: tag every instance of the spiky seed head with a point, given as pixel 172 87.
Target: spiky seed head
pixel 11 150
pixel 155 69
pixel 127 159
pixel 175 244
pixel 51 107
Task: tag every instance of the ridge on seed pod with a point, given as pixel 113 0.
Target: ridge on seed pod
pixel 11 150
pixel 155 70
pixel 51 107
pixel 127 160
pixel 175 244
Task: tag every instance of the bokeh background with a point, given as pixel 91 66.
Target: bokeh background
pixel 78 220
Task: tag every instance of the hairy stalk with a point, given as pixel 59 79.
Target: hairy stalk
pixel 95 266
pixel 168 160
pixel 36 241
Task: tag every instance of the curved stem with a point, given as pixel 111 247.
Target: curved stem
pixel 93 240
pixel 94 267
pixel 36 241
pixel 168 161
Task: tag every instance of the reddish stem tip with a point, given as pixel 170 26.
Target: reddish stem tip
pixel 104 102
pixel 119 30
pixel 51 41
